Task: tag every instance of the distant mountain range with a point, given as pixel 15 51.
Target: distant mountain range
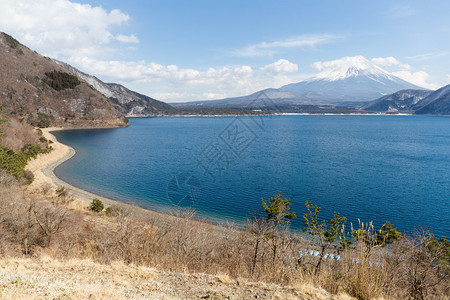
pixel 347 87
pixel 34 87
pixel 413 101
pixel 401 101
pixel 354 81
pixel 437 103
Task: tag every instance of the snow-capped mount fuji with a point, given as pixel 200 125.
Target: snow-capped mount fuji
pixel 348 67
pixel 343 81
pixel 350 79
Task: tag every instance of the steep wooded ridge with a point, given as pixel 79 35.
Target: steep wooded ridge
pixel 35 88
pixel 419 102
pixel 401 101
pixel 125 100
pixel 437 103
pixel 45 92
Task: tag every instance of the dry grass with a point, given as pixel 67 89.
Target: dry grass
pixel 47 278
pixel 46 228
pixel 80 279
pixel 66 233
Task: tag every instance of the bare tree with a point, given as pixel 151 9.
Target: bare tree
pixel 419 265
pixel 49 219
pixel 258 227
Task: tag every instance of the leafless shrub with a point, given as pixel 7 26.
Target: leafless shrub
pixel 27 224
pixel 189 241
pixel 20 227
pixel 364 275
pixel 71 237
pixel 264 266
pixel 63 196
pixel 49 218
pixel 419 266
pixel 257 227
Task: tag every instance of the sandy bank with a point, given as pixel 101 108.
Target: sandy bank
pixel 44 165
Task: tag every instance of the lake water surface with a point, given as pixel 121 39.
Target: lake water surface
pixel 375 168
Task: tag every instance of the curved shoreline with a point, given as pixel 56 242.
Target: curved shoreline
pixel 44 165
pixel 43 169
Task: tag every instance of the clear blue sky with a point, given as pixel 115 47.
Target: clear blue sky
pixel 188 50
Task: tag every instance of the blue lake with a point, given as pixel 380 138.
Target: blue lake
pixel 375 168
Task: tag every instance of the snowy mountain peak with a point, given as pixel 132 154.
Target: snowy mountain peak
pixel 345 80
pixel 346 67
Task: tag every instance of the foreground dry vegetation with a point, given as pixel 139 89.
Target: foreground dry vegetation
pixel 52 225
pixel 47 278
pixel 52 245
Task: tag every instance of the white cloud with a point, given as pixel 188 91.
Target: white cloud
pixel 428 56
pixel 61 27
pixel 211 96
pixel 184 97
pixel 389 62
pixel 174 84
pixel 270 48
pixel 405 72
pixel 141 71
pixel 281 66
pixel 79 34
pixel 127 38
pixel 448 78
pixel 385 61
pixel 419 78
pixel 406 67
pixel 172 96
pixel 400 11
pixel 344 62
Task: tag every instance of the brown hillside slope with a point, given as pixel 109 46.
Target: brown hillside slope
pixel 26 91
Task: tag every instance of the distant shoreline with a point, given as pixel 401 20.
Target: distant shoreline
pixel 281 114
pixel 44 165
